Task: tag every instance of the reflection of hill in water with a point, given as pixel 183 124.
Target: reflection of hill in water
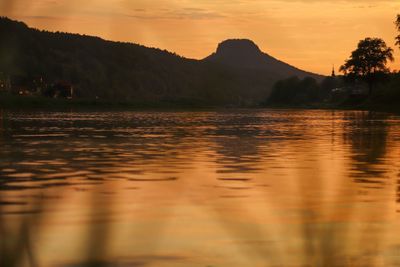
pixel 149 188
pixel 237 143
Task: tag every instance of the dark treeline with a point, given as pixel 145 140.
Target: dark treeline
pixel 336 92
pixel 43 61
pixel 366 81
pixel 295 91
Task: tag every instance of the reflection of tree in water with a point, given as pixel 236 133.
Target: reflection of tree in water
pixel 366 132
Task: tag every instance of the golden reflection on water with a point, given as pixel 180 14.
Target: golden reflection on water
pixel 229 188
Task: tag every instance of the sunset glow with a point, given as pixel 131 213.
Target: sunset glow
pixel 311 35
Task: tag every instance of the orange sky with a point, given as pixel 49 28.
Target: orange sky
pixel 309 34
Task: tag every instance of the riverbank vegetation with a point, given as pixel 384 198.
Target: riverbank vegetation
pixel 40 69
pixel 35 63
pixel 366 83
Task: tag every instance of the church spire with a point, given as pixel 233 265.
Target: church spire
pixel 333 71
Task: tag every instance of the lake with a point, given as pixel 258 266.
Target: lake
pixel 290 188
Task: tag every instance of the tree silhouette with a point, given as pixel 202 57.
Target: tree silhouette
pixel 294 91
pixel 368 61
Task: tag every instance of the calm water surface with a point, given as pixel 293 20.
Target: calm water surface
pixel 234 188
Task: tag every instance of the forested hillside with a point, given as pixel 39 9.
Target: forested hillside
pixel 36 61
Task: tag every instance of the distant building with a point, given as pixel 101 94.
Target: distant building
pixel 39 85
pixel 21 85
pixel 61 89
pixel 5 84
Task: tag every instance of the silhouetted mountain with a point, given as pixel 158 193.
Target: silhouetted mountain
pixel 42 62
pixel 245 54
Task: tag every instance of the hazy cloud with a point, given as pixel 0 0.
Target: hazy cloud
pixel 179 13
pixel 41 17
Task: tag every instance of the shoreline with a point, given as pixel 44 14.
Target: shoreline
pixel 33 103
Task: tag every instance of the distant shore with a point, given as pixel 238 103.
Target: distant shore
pixel 15 102
pixel 362 107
